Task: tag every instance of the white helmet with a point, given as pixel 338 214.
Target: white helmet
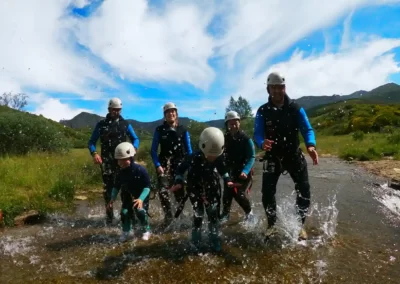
pixel 212 141
pixel 168 106
pixel 231 115
pixel 115 103
pixel 124 150
pixel 275 78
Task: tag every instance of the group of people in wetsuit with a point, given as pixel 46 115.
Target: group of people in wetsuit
pixel 196 175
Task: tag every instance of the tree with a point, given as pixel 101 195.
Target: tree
pixel 195 128
pixel 15 101
pixel 241 106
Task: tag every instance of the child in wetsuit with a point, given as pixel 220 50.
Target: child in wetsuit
pixel 134 182
pixel 203 183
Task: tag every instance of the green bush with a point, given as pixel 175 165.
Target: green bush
pixel 388 129
pixel 394 138
pixel 21 133
pixel 63 189
pixel 195 128
pixel 360 154
pixel 344 118
pixel 358 136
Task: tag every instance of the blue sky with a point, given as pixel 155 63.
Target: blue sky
pixel 74 55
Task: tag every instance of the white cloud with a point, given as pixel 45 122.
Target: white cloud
pixel 203 109
pixel 148 45
pixel 364 64
pixel 9 85
pixel 80 3
pixel 258 30
pixel 37 50
pixel 53 108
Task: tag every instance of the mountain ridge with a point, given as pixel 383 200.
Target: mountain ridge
pixel 388 94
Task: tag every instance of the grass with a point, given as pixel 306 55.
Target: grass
pixel 44 182
pixel 373 146
pixel 48 182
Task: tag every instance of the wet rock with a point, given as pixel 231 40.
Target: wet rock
pixel 394 183
pixel 80 197
pixel 30 217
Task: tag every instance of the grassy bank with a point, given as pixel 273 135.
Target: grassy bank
pixel 44 182
pixel 48 182
pixel 362 147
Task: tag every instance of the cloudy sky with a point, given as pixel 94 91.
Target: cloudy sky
pixel 74 55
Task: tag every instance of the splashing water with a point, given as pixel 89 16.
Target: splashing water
pixel 81 247
pixel 10 246
pixel 327 217
pixel 390 199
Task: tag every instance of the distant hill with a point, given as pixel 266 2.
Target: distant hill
pixel 385 94
pixel 388 93
pixel 308 102
pixel 89 120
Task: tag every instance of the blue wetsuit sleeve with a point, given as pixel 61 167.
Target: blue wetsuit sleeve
pixel 188 146
pixel 306 129
pixel 132 135
pixel 250 157
pixel 259 128
pixel 93 139
pixel 144 193
pixel 145 182
pixel 154 149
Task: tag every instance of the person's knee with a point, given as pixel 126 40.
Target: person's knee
pixel 303 189
pixel 197 221
pixel 268 197
pixel 179 195
pixel 125 214
pixel 141 213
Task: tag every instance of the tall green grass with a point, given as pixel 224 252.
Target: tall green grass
pixel 48 182
pixel 45 182
pixel 365 147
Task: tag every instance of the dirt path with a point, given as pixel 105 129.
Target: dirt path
pixel 389 169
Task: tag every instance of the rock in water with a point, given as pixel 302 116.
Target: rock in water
pixel 394 183
pixel 30 217
pixel 80 197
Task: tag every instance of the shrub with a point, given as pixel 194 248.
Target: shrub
pixel 21 133
pixel 63 189
pixel 394 138
pixel 358 136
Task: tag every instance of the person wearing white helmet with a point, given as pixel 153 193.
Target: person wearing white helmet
pixel 203 183
pixel 240 157
pixel 134 182
pixel 276 131
pixel 173 140
pixel 111 131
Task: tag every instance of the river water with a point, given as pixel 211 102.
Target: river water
pixel 353 228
